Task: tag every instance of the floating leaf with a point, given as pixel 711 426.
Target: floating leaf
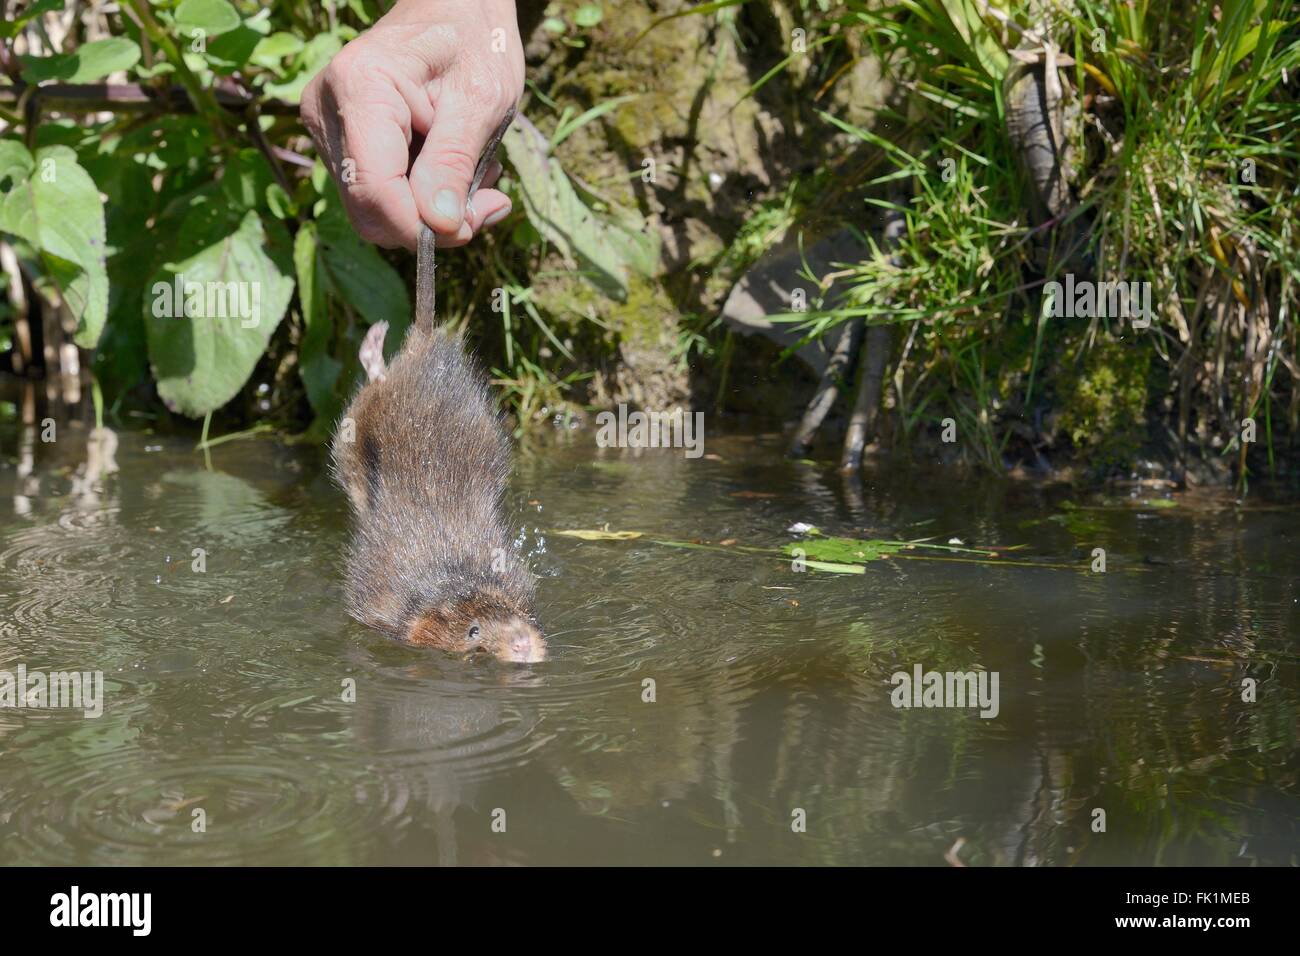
pixel 836 568
pixel 601 535
pixel 842 550
pixel 55 206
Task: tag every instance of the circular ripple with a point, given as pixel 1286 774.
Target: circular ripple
pixel 106 810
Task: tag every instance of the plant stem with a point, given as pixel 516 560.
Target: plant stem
pixel 205 104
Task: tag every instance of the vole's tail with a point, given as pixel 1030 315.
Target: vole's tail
pixel 425 294
pixel 424 262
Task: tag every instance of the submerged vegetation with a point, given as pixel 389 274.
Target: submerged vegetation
pixel 669 149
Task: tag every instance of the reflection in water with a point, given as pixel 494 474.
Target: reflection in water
pixel 697 702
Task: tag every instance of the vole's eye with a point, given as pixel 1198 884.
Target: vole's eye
pixel 473 634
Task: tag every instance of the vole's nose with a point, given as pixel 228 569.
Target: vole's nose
pixel 526 645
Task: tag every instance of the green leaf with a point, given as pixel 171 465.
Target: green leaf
pixel 9 28
pixel 271 51
pixel 232 50
pixel 318 368
pixel 161 68
pixel 246 178
pixel 15 163
pixel 335 267
pixel 843 550
pixel 359 9
pixel 211 16
pixel 279 202
pixel 88 64
pixel 318 52
pixel 607 247
pixel 354 271
pixel 234 288
pixel 55 206
pixel 588 15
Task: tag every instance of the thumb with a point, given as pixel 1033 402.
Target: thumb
pixel 441 176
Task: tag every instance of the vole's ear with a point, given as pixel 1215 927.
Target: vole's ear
pixel 433 628
pixel 372 353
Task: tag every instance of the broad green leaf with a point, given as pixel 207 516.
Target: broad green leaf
pixel 210 315
pixel 335 268
pixel 230 51
pixel 88 64
pixel 15 163
pixel 213 17
pixel 122 359
pixel 233 49
pixel 355 272
pixel 55 206
pixel 606 247
pixel 246 178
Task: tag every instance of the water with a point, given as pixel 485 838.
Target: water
pixel 225 690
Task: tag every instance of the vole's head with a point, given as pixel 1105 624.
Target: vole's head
pixel 479 625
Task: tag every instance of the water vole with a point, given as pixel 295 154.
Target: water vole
pixel 431 561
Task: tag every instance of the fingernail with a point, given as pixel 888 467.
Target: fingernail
pixel 497 216
pixel 448 205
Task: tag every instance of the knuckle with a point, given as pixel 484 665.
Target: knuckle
pixel 457 157
pixel 345 61
pixel 488 89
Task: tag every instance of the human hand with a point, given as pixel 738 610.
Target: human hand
pixel 444 70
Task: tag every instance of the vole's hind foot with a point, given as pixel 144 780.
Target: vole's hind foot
pixel 371 353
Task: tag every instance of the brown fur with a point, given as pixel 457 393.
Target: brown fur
pixel 431 561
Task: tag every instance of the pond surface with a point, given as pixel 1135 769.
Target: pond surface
pixel 771 737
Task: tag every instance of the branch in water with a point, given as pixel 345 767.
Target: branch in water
pixel 837 370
